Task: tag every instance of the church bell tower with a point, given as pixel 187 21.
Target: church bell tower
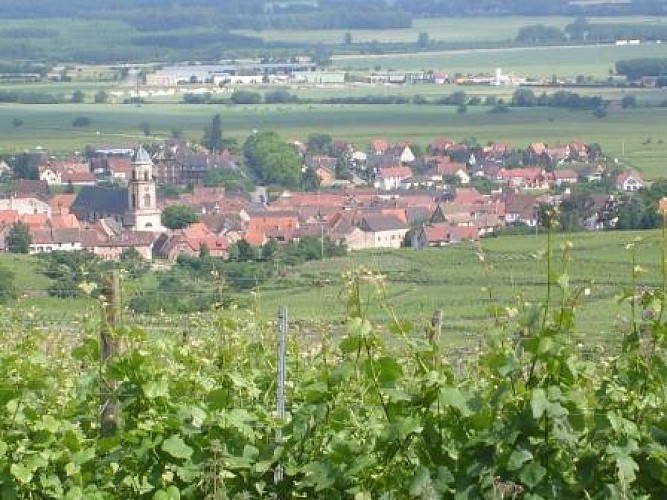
pixel 142 210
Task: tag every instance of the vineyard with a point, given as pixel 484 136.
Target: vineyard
pixel 372 410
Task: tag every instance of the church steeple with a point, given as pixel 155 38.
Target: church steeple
pixel 143 210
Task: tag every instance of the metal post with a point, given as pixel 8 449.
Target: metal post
pixel 108 348
pixel 280 382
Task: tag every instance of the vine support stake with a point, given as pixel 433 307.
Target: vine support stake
pixel 111 309
pixel 436 327
pixel 280 383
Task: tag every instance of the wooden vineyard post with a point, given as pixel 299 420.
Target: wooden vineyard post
pixel 436 327
pixel 111 309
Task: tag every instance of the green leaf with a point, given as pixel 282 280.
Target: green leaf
pixel 532 474
pixel 626 467
pixel 177 448
pixel 319 475
pixel 171 493
pixel 518 458
pixel 538 403
pixel 3 448
pixel 421 484
pixel 50 424
pixel 451 396
pixel 564 282
pixel 386 369
pixel 21 473
pixel 156 389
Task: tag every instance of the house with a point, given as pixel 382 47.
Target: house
pixel 522 209
pixel 379 147
pixel 403 153
pixel 629 181
pixel 579 150
pixel 391 177
pixel 440 146
pixel 538 152
pixel 326 176
pixel 190 241
pixel 524 178
pixel 64 172
pixel 449 169
pixel 26 205
pixel 61 203
pixel 565 176
pixel 383 230
pixel 50 239
pixel 280 225
pixel 441 235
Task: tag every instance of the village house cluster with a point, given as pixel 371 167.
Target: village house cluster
pixel 390 197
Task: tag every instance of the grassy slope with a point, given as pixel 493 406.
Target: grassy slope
pixel 50 126
pixel 455 280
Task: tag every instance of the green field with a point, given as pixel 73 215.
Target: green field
pixel 417 282
pixel 455 280
pixel 622 131
pixel 533 62
pixel 459 30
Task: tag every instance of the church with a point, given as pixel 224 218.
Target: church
pixel 134 208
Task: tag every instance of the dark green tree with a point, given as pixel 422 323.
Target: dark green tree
pixel 78 96
pixel 272 160
pixel 145 128
pixel 423 40
pixel 179 216
pixel 212 139
pixel 101 97
pixel 319 144
pixel 19 238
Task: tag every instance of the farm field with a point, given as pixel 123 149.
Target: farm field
pixel 639 133
pixel 533 62
pixel 461 30
pixel 457 281
pixel 417 282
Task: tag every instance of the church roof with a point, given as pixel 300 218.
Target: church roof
pixel 141 157
pixel 102 199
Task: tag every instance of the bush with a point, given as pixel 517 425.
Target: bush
pixel 81 121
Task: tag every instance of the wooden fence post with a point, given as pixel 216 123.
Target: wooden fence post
pixel 109 346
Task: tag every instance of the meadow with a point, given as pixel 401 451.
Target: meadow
pixel 459 30
pixel 635 136
pixel 530 62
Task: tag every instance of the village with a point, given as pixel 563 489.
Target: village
pixel 390 196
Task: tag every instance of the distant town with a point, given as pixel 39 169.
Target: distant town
pixel 380 195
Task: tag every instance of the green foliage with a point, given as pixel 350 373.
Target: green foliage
pixel 272 160
pixel 19 238
pixel 74 274
pixel 636 68
pixel 101 97
pixel 246 97
pixel 372 411
pixel 212 139
pixel 81 121
pixel 77 97
pixel 7 286
pixel 179 216
pixel 229 178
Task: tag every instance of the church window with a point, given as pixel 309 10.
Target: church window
pixel 147 200
pixel 146 176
